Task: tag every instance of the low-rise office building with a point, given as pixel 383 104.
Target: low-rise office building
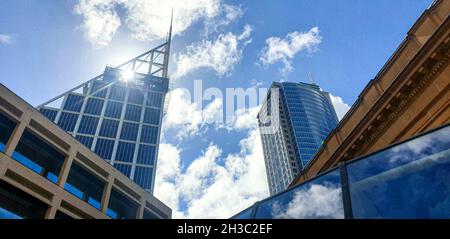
pixel 46 173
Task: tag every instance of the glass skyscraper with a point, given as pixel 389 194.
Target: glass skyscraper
pixel 118 113
pixel 294 120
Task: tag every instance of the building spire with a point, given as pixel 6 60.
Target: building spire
pixel 167 53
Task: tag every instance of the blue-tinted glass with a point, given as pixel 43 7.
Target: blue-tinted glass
pixel 117 93
pixel 50 114
pixel 133 113
pixel 17 204
pixel 113 109
pixel 125 152
pixel 149 134
pixel 109 128
pixel 129 131
pixel 104 148
pixel 143 176
pixel 73 190
pixel 93 106
pixel 5 214
pixel 410 180
pixel 135 96
pixel 67 121
pixel 73 103
pixel 6 128
pixel 123 168
pixel 111 213
pixel 246 214
pixel 146 154
pixel 99 89
pixel 88 125
pixel 319 198
pixel 154 99
pixel 151 116
pixel 94 203
pixel 121 206
pixel 85 140
pixel 149 215
pixel 39 156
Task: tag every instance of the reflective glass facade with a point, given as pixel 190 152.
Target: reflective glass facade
pixel 305 118
pixel 120 121
pixel 407 180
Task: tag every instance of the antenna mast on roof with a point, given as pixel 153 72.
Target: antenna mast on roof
pixel 310 78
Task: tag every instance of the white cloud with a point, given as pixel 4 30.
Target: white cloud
pixel 318 201
pixel 149 19
pixel 5 39
pixel 220 55
pixel 211 186
pixel 284 50
pixel 339 105
pixel 187 116
pixel 246 118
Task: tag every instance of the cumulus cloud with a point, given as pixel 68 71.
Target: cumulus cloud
pixel 220 55
pixel 339 105
pixel 187 116
pixel 212 186
pixel 5 39
pixel 284 50
pixel 149 19
pixel 318 201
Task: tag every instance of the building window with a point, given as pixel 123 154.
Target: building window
pixel 6 128
pixel 99 89
pixel 146 155
pixel 39 156
pixel 113 109
pixel 149 215
pixel 409 180
pixel 67 121
pixel 151 116
pixel 125 169
pixel 129 131
pixel 85 185
pixel 154 99
pixel 85 140
pixel 17 204
pixel 136 96
pixel 121 206
pixel 88 125
pixel 104 148
pixel 143 176
pixel 327 187
pixel 117 93
pixel 149 134
pixel 125 152
pixel 94 106
pixel 50 114
pixel 73 103
pixel 133 113
pixel 109 128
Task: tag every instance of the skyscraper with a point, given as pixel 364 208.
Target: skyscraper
pixel 118 113
pixel 294 120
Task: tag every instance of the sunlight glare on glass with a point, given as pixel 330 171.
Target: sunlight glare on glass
pixel 127 75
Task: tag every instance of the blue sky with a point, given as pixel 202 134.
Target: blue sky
pixel 205 169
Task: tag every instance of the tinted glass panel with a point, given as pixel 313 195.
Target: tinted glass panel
pixel 149 134
pixel 135 96
pixel 149 215
pixel 87 141
pixel 246 214
pixel 50 114
pixel 319 198
pixel 125 152
pixel 6 128
pixel 146 154
pixel 99 89
pixel 154 99
pixel 17 204
pixel 104 148
pixel 121 207
pixel 133 113
pixel 109 128
pixel 93 106
pixel 123 168
pixel 39 156
pixel 117 93
pixel 129 131
pixel 143 176
pixel 67 121
pixel 113 109
pixel 73 103
pixel 151 116
pixel 410 180
pixel 88 125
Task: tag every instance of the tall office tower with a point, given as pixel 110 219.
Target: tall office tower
pixel 118 113
pixel 294 120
